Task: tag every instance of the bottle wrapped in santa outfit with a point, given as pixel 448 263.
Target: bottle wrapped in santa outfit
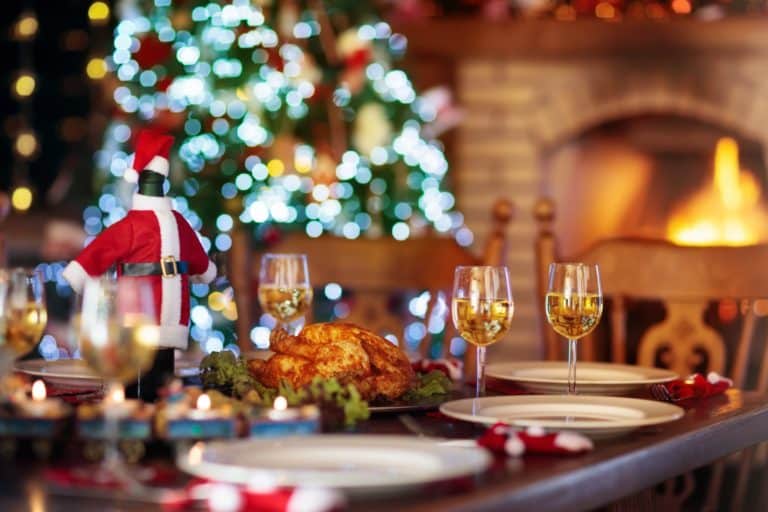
pixel 154 241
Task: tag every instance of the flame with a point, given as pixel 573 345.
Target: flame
pixel 203 402
pixel 280 403
pixel 727 212
pixel 38 391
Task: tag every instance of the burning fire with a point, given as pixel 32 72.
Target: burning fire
pixel 728 212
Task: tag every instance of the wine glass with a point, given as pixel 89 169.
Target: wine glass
pixel 284 288
pixel 118 335
pixel 482 310
pixel 574 304
pixel 23 310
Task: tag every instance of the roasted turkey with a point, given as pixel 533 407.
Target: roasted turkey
pixel 343 351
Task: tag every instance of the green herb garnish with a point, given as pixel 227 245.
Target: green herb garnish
pixel 430 384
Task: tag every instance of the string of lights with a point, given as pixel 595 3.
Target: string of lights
pixel 23 85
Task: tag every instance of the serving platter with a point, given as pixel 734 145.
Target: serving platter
pixel 425 404
pixel 595 416
pixel 551 377
pixel 357 464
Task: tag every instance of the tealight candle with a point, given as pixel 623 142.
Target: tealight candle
pixel 116 406
pixel 202 422
pixel 282 420
pixel 281 412
pixel 202 410
pixel 41 405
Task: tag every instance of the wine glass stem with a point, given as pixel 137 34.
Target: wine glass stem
pixel 480 383
pixel 112 425
pixel 571 367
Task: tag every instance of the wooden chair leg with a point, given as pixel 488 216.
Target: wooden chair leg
pixel 671 500
pixel 644 501
pixel 742 478
pixel 712 500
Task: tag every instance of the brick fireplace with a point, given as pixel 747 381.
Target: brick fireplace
pixel 528 86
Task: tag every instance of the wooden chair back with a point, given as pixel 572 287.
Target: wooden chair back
pixel 686 280
pixel 372 268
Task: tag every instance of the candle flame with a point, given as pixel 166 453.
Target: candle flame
pixel 117 395
pixel 203 402
pixel 281 403
pixel 38 391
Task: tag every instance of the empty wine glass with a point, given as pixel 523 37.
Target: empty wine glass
pixel 284 288
pixel 482 308
pixel 574 304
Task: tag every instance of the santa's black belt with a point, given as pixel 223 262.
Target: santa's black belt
pixel 165 267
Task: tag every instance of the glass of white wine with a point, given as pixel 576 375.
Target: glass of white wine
pixel 284 288
pixel 482 308
pixel 118 335
pixel 24 313
pixel 574 304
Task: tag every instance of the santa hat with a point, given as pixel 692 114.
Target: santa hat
pixel 152 152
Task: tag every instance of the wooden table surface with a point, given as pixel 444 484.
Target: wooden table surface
pixel 619 467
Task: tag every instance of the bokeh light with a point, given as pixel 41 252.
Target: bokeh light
pixel 96 68
pixel 27 26
pixel 98 13
pixel 21 198
pixel 24 85
pixel 26 144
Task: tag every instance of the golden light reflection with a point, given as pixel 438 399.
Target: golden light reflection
pixel 98 12
pixel 727 212
pixel 36 497
pixel 96 69
pixel 27 26
pixel 21 199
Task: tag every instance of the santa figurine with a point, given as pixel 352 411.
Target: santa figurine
pixel 154 241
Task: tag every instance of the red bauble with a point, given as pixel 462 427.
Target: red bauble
pixel 272 235
pixel 163 84
pixel 358 59
pixel 152 52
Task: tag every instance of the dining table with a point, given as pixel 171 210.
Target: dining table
pixel 710 429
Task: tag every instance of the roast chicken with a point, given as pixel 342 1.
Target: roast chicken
pixel 343 351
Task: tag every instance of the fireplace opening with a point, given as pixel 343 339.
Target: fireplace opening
pixel 661 177
pixel 658 176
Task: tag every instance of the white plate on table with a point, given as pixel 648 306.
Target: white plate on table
pixel 551 377
pixel 357 464
pixel 75 374
pixel 595 416
pixel 66 373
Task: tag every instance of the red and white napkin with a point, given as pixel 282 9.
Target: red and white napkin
pixel 223 497
pixel 503 439
pixel 695 386
pixel 452 368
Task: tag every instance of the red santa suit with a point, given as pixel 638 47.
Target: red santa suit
pixel 151 233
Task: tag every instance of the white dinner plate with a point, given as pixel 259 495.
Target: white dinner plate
pixel 357 464
pixel 67 373
pixel 75 373
pixel 595 416
pixel 551 377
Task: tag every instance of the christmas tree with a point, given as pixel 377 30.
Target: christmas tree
pixel 288 115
